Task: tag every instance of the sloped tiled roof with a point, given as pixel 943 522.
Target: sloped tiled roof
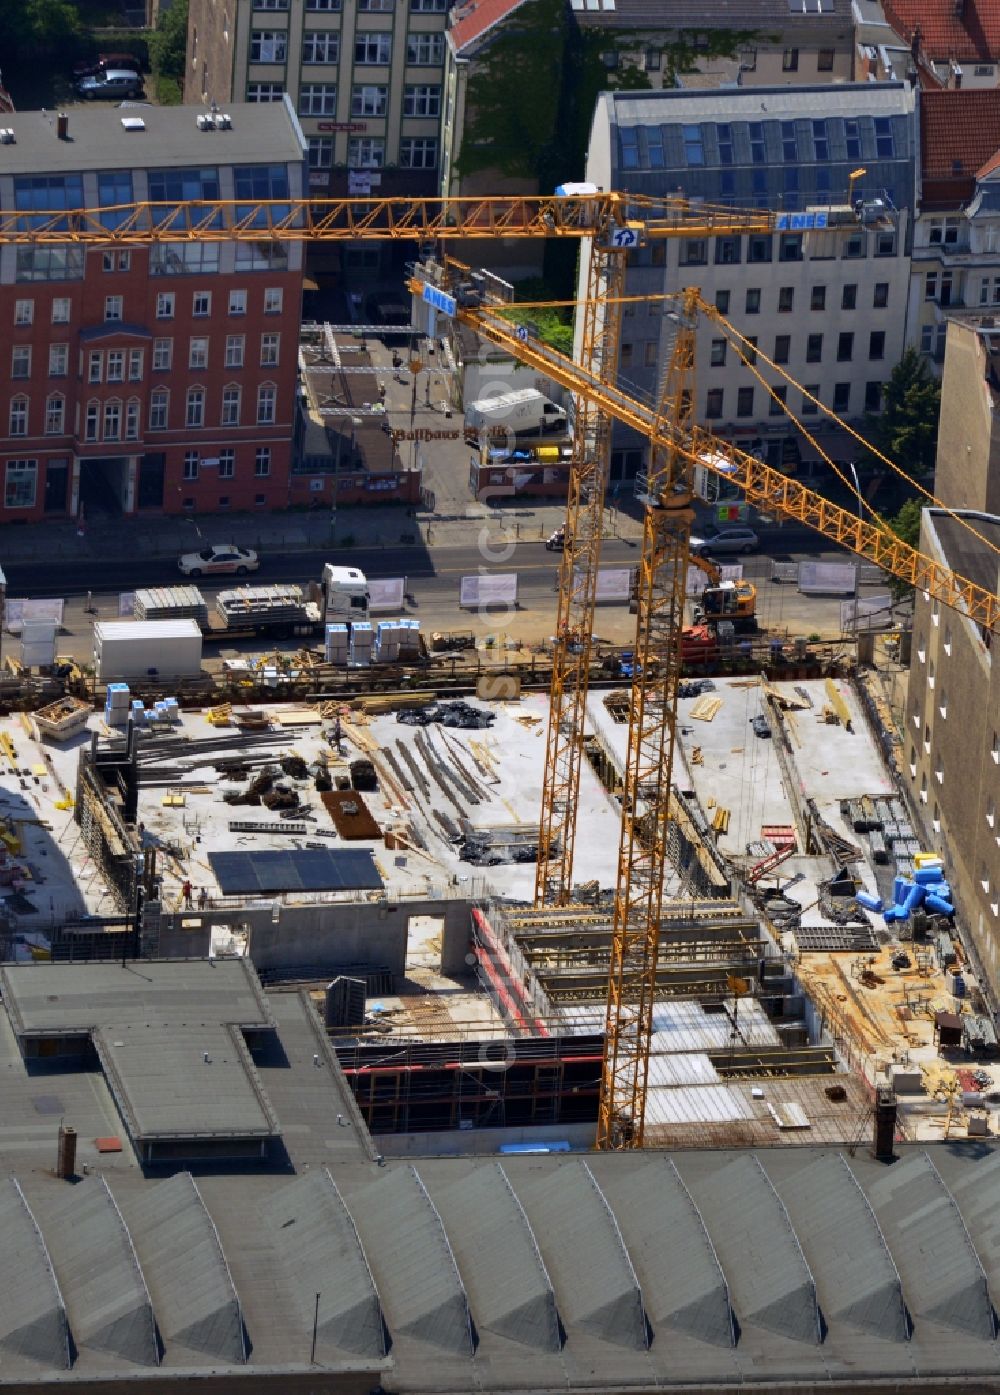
pixel 959 134
pixel 944 32
pixel 475 18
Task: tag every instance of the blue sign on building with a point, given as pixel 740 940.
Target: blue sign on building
pixel 445 303
pixel 802 222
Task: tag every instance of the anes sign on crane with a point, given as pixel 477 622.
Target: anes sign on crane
pixel 439 300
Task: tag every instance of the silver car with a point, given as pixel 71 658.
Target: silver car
pixel 114 82
pixel 720 540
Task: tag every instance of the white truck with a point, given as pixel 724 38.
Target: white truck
pixel 525 412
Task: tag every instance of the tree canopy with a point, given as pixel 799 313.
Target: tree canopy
pixel 907 429
pixel 34 29
pixel 168 45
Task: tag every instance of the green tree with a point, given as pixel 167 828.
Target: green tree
pixel 168 45
pixel 48 29
pixel 906 525
pixel 907 429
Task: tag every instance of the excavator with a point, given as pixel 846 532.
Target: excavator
pixel 735 601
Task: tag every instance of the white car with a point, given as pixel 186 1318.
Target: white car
pixel 718 540
pixel 219 558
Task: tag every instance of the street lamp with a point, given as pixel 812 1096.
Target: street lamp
pixel 857 486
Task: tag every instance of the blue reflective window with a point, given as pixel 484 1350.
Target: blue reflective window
pixel 630 148
pixel 114 187
pixel 173 186
pixel 694 147
pixel 47 193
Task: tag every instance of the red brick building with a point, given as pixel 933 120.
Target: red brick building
pixel 148 379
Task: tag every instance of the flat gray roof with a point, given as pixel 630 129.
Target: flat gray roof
pixel 261 133
pixel 167 1034
pixel 645 108
pixel 963 552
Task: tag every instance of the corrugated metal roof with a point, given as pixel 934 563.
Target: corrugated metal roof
pixel 943 1276
pixel 106 1295
pixel 412 1261
pixel 682 1281
pixel 181 1256
pixel 317 1245
pixel 583 1250
pixel 857 1279
pixel 770 1281
pixel 32 1313
pixel 509 1289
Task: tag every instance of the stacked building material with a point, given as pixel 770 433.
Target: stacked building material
pixel 275 605
pixel 337 642
pixel 410 644
pixel 171 603
pixel 362 643
pixel 116 704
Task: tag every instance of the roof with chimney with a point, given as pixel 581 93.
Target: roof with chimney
pixel 965 30
pixel 959 137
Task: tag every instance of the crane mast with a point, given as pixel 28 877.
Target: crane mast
pixel 578 570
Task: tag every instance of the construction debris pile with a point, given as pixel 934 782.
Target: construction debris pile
pixel 447 714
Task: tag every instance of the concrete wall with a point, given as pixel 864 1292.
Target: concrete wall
pixel 967 474
pixel 288 939
pixel 952 760
pixel 480 1142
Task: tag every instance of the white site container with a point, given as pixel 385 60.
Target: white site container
pixel 131 648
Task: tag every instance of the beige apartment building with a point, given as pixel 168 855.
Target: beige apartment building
pixel 365 78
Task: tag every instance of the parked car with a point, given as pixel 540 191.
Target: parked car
pixel 126 61
pixel 717 540
pixel 115 82
pixel 219 558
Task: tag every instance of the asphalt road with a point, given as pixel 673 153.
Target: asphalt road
pixel 432 572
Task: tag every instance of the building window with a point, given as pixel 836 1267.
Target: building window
pixel 234 350
pixel 884 145
pixel 265 91
pixel 365 152
pixel 418 153
pixel 790 248
pixel 163 352
pixel 58 360
pixel 269 348
pixel 876 344
pixel 758 249
pixel 814 348
pixel 164 305
pixel 777 404
pixel 436 7
pixel 327 6
pixel 744 402
pixel 880 298
pixel 790 60
pixel 694 146
pixel 198 353
pixel 55 412
pixel 116 365
pixel 201 304
pixel 227 463
pixel 424 100
pixel 694 252
pixel 320 99
pixel 270 5
pixel 727 251
pixel 192 460
pixel 24 312
pixel 268 45
pixel 786 299
pixel 629 138
pixel 873 397
pixel 237 302
pixel 321 45
pixel 20 361
pixel 195 413
pixel 116 261
pixel 92 421
pixel 230 406
pixel 267 398
pixel 425 50
pixel 60 310
pixel 159 402
pixel 926 339
pixel 113 420
pixel 18 420
pixel 722 302
pixel 713 404
pixel 371 48
pixel 132 409
pixel 20 484
pixel 135 357
pixel 320 152
pixel 262 462
pixel 789 145
pixel 113 307
pixel 717 357
pixel 755 130
pixel 782 348
pixel 849 297
pixel 273 300
pixel 845 347
pixel 95 366
pixel 841 397
pixel 724 136
pixel 376 6
pixel 810 407
pixel 748 352
pixel 930 286
pixel 369 101
pixel 852 138
pixel 752 304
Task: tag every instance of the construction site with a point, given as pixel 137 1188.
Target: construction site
pixel 337 962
